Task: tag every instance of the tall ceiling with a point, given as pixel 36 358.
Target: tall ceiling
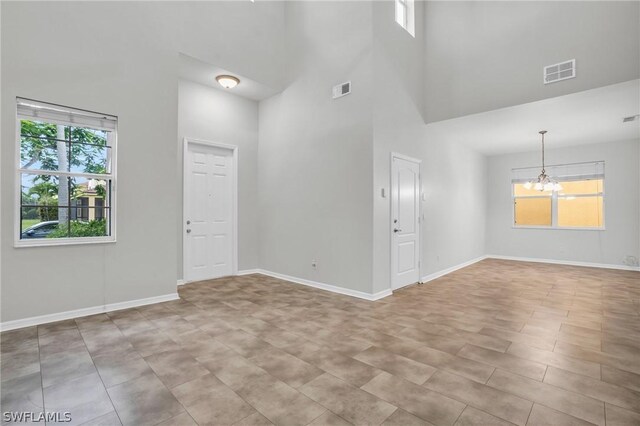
pixel 485 55
pixel 592 116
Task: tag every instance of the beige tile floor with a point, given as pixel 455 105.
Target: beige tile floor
pixel 497 343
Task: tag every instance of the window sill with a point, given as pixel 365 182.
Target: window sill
pixel 558 228
pixel 53 242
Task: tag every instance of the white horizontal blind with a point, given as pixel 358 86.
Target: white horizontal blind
pixel 560 172
pixel 41 111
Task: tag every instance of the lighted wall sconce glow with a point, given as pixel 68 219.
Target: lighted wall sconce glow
pixel 228 81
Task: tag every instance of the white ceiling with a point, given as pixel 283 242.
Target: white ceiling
pixel 592 116
pixel 204 73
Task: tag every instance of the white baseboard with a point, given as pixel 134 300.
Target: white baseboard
pixel 443 272
pixel 315 284
pixel 44 319
pixel 243 272
pixel 249 272
pixel 381 294
pixel 565 262
pixel 327 287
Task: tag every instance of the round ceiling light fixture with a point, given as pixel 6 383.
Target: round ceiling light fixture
pixel 228 81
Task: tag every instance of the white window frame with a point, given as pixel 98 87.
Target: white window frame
pixel 409 21
pixel 513 210
pixel 47 242
pixel 554 204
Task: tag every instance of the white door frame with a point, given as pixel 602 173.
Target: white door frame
pixel 391 233
pixel 234 208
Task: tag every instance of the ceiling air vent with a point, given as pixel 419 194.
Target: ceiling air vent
pixel 558 72
pixel 630 118
pixel 341 90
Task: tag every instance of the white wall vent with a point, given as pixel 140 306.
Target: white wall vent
pixel 341 90
pixel 559 72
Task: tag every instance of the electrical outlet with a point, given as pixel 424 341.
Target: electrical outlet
pixel 314 264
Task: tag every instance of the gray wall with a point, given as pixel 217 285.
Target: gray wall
pixel 452 174
pixel 130 81
pixel 217 116
pixel 315 152
pixel 622 208
pixel 119 58
pixel 484 55
pixel 333 148
pixel 455 210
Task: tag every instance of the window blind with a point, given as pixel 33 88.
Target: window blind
pixel 41 111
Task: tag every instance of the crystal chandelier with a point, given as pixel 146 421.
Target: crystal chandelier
pixel 543 182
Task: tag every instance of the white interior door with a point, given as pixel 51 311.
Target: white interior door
pixel 405 221
pixel 209 197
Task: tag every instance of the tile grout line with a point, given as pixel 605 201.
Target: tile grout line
pixel 228 387
pixel 237 421
pixel 153 372
pixel 266 372
pixel 169 390
pixel 44 408
pixel 485 384
pixel 321 414
pixel 115 410
pixel 490 376
pixel 350 384
pixel 463 410
pixel 533 403
pixel 601 372
pixel 564 390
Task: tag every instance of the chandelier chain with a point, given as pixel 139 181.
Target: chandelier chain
pixel 543 153
pixel 543 182
pixel 542 132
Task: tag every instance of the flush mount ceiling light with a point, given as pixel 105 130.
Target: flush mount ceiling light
pixel 544 182
pixel 228 81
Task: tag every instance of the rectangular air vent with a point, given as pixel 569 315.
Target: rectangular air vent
pixel 630 118
pixel 559 72
pixel 341 90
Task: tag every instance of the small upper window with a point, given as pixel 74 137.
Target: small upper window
pixel 405 15
pixel 578 204
pixel 66 175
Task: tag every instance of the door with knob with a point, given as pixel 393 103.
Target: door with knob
pixel 405 226
pixel 209 219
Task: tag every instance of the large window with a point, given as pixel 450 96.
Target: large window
pixel 578 205
pixel 65 175
pixel 405 15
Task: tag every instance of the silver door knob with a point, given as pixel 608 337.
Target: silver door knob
pixel 397 230
pixel 188 231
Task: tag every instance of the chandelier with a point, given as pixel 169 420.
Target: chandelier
pixel 543 182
